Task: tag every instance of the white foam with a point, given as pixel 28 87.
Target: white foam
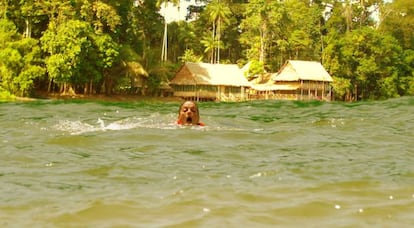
pixel 74 127
pixel 154 121
pixel 79 127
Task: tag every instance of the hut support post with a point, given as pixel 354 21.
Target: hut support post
pixel 301 89
pixel 197 93
pixel 323 90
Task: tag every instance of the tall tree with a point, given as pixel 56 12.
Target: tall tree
pixel 102 16
pixel 20 60
pixel 304 29
pixel 255 29
pixel 147 28
pixel 164 50
pixel 370 62
pixel 209 44
pixel 67 46
pixel 397 19
pixel 219 13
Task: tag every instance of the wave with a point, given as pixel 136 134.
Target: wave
pixel 100 125
pixel 156 121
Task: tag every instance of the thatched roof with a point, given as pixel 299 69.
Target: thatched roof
pixel 136 72
pixel 295 70
pixel 245 69
pixel 264 78
pixel 210 74
pixel 164 85
pixel 135 69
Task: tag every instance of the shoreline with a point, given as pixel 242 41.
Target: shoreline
pixel 113 98
pixel 97 97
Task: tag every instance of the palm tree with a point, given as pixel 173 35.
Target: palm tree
pixel 348 15
pixel 165 37
pixel 219 13
pixel 209 44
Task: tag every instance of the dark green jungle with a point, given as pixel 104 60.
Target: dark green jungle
pixel 108 47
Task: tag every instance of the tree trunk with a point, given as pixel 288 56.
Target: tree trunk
pixel 218 39
pixel 165 39
pixel 28 32
pixel 263 43
pixel 49 87
pixel 91 87
pixel 213 57
pixel 356 92
pixel 164 44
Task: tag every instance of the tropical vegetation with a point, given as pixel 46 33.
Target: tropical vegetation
pixel 99 46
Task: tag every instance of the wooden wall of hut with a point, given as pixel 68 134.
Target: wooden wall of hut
pixel 306 90
pixel 209 92
pixel 314 90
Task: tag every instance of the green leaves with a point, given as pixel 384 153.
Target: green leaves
pixel 78 42
pixel 189 56
pixel 77 54
pixel 275 31
pixel 67 47
pixel 20 61
pixel 106 17
pixel 368 60
pixel 108 50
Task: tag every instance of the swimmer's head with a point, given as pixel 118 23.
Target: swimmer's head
pixel 188 113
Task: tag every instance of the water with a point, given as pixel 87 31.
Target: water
pixel 255 164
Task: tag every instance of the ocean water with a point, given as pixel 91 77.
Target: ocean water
pixel 256 164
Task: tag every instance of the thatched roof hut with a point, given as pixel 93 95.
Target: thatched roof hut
pixel 308 80
pixel 210 82
pixel 296 80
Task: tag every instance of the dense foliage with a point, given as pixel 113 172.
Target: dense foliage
pixel 101 46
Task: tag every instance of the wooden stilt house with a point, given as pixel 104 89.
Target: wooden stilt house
pixel 215 82
pixel 302 80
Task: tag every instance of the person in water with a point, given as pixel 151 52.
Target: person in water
pixel 188 114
